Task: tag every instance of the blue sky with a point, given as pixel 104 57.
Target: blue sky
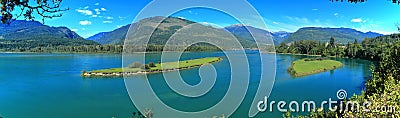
pixel 89 17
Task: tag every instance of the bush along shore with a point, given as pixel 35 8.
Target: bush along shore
pixel 139 68
pixel 310 66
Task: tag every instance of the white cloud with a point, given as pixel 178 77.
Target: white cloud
pixel 314 9
pixel 336 14
pixel 211 24
pixel 86 35
pixel 83 29
pixel 109 18
pixel 94 16
pixel 299 20
pixel 97 4
pixel 275 22
pixel 107 21
pixel 87 7
pixel 193 12
pixel 357 20
pixel 119 26
pixel 103 9
pixel 85 22
pixel 97 11
pixel 375 26
pixel 121 18
pixel 75 30
pixel 85 12
pixel 384 32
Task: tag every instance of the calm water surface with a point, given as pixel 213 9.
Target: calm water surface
pixel 50 85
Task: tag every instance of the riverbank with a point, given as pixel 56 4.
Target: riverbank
pixel 310 66
pixel 151 68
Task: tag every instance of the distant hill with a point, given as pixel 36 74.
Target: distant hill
pixel 168 27
pixel 341 35
pixel 262 35
pixel 392 38
pixel 117 36
pixel 113 37
pixel 280 36
pixel 33 34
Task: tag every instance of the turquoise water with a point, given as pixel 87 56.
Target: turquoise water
pixel 49 85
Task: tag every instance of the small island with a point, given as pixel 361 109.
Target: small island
pixel 139 68
pixel 310 66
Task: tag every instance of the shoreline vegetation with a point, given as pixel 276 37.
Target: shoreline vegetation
pixel 106 48
pixel 309 66
pixel 138 68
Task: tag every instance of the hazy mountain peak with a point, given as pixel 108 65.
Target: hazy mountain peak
pixel 263 36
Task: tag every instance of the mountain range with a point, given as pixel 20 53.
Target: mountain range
pixel 341 35
pixel 117 36
pixel 170 26
pixel 21 33
pixel 33 32
pixel 241 31
pixel 257 33
pixel 113 37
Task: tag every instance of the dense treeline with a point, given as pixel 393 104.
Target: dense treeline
pixel 369 49
pixel 158 48
pixel 43 42
pixel 79 49
pixel 101 48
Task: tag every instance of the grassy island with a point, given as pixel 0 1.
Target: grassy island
pixel 310 66
pixel 138 68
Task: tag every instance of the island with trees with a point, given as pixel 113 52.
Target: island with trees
pixel 310 66
pixel 139 68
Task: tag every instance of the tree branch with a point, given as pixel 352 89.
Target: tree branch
pixel 43 9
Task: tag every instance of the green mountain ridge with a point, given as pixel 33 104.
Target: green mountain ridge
pixel 341 35
pixel 31 34
pixel 392 38
pixel 118 35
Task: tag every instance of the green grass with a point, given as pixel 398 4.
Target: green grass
pixel 163 66
pixel 117 70
pixel 184 63
pixel 303 67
